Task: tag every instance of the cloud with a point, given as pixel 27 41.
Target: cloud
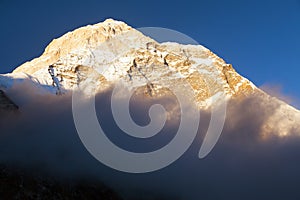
pixel 42 138
pixel 277 91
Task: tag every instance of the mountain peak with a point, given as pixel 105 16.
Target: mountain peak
pixel 126 54
pixel 111 21
pixel 106 53
pixel 90 35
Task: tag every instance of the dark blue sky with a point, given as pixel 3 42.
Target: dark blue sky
pixel 260 38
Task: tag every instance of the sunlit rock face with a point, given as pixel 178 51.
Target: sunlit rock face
pixel 101 55
pixel 114 51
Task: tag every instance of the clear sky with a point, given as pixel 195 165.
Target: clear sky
pixel 261 38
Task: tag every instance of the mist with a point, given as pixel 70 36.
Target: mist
pixel 41 138
pixel 277 91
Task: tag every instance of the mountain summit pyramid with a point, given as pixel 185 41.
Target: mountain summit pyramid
pixel 121 52
pixel 101 55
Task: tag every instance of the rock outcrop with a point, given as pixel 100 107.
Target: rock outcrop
pixel 6 104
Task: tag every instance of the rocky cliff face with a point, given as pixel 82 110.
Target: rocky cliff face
pixel 6 104
pixel 103 54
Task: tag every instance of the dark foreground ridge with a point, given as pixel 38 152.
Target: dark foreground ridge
pixel 17 185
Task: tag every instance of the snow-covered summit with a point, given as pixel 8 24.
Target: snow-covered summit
pixel 105 53
pixel 116 51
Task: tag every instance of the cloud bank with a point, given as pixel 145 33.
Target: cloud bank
pixel 42 138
